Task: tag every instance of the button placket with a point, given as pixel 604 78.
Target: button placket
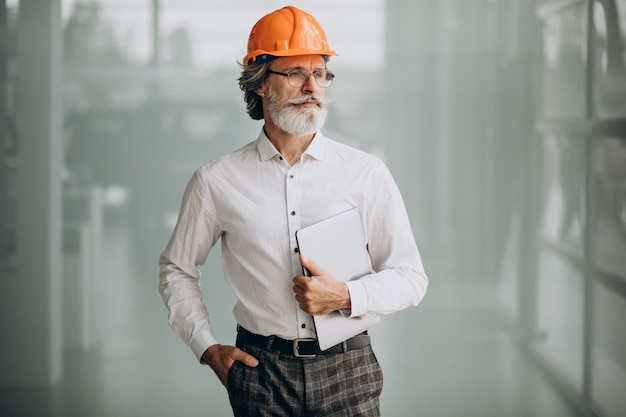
pixel 294 197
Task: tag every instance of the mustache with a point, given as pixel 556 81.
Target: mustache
pixel 321 101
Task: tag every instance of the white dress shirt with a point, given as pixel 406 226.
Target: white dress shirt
pixel 255 202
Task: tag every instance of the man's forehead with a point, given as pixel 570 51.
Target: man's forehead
pixel 316 61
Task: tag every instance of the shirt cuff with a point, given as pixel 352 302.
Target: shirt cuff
pixel 358 298
pixel 201 342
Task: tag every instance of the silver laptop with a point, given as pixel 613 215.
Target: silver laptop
pixel 338 245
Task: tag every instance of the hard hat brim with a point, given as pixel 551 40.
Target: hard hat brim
pixel 264 56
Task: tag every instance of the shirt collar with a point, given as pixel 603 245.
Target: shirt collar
pixel 267 151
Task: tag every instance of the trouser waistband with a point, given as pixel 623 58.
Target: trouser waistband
pixel 301 348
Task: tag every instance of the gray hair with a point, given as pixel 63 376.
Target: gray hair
pixel 252 78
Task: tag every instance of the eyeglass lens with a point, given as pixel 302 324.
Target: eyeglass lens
pixel 299 78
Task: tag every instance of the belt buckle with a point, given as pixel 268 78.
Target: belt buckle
pixel 296 346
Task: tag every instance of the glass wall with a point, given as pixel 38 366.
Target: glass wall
pixel 580 290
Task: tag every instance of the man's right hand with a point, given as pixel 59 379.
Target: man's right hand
pixel 220 358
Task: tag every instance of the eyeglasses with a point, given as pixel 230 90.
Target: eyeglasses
pixel 298 78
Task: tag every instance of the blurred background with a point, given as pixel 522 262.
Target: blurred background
pixel 503 122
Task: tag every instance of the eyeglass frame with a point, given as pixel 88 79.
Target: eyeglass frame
pixel 307 78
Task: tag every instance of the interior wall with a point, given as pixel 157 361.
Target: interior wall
pixel 31 262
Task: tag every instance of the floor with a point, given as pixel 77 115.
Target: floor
pixel 449 356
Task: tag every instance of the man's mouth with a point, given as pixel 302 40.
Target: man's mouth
pixel 306 101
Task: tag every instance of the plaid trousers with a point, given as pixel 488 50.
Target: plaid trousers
pixel 342 384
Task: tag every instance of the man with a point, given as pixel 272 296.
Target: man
pixel 255 199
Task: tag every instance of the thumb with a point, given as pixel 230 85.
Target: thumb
pixel 245 358
pixel 310 266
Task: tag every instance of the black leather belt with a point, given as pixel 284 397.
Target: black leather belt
pixel 300 348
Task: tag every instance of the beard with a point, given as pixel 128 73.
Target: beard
pixel 295 119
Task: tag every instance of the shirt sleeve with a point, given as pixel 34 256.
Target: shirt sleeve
pixel 399 280
pixel 196 231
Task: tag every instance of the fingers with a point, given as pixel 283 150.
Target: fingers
pixel 220 358
pixel 300 282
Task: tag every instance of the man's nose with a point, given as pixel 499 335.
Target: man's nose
pixel 309 85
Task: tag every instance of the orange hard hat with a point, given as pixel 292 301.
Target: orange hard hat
pixel 286 32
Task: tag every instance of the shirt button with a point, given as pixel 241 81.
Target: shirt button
pixel 280 157
pixel 293 213
pixel 297 250
pixel 303 326
pixel 290 177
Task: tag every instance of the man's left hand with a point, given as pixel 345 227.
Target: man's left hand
pixel 320 293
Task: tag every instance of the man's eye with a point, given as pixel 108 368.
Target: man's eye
pixel 297 74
